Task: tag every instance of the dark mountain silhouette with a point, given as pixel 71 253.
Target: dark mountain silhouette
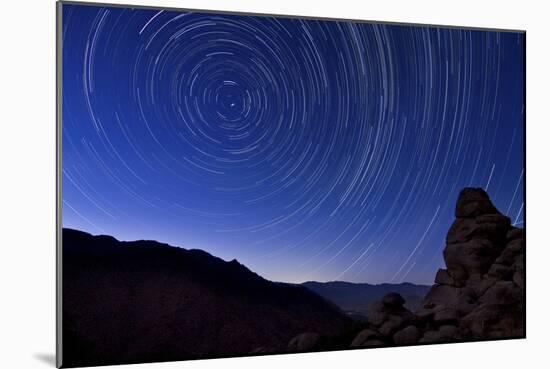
pixel 143 301
pixel 355 298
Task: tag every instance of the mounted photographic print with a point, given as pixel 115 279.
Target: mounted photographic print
pixel 235 184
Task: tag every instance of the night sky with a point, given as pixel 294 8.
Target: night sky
pixel 305 149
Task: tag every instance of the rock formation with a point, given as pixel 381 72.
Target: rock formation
pixel 480 295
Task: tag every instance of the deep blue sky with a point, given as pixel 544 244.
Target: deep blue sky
pixel 306 149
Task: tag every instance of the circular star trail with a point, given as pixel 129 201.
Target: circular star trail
pixel 306 149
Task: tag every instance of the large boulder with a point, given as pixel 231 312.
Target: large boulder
pixel 445 333
pixel 443 277
pixel 500 271
pixel 515 233
pixel 393 300
pixel 473 202
pixel 492 227
pixel 392 325
pixel 513 249
pixel 472 257
pixel 447 315
pixel 479 283
pixel 449 332
pixel 519 272
pixel 407 336
pixel 444 297
pixel 440 294
pixel 503 293
pixel 390 311
pixel 495 321
pixel 377 314
pixel 389 316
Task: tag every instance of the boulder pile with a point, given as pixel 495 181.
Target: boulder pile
pixel 480 295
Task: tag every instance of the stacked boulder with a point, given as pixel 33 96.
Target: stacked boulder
pixel 480 295
pixel 387 318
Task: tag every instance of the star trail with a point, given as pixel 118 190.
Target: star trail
pixel 306 149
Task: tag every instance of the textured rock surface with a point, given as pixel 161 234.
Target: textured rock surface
pixel 407 336
pixel 481 293
pixel 473 202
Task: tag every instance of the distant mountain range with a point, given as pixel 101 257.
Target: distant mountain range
pixel 356 298
pixel 144 301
